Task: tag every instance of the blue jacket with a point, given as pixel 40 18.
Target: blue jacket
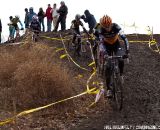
pixel 90 19
pixel 31 14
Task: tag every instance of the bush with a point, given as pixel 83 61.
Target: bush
pixel 31 78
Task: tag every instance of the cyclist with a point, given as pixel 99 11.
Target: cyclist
pixel 35 25
pixel 76 30
pixel 108 33
pixel 15 22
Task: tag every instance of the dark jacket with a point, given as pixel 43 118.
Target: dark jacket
pixel 35 25
pixel 63 11
pixel 26 20
pixel 41 15
pixel 90 19
pixel 0 26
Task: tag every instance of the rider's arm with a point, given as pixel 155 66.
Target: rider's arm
pixel 124 38
pixel 97 31
pixel 21 24
pixel 72 25
pixel 84 18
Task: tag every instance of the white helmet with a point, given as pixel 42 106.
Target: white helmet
pixel 35 17
pixel 17 16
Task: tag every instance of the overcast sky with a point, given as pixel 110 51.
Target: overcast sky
pixel 143 12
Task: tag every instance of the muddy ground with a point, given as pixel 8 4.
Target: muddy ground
pixel 141 94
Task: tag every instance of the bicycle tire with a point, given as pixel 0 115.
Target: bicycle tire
pixel 78 48
pixel 116 86
pixel 117 89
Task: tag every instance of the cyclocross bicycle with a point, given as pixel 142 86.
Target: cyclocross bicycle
pixel 35 35
pixel 115 80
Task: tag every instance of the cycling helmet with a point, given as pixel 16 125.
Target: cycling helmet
pixel 17 16
pixel 78 16
pixel 105 21
pixel 10 17
pixel 35 18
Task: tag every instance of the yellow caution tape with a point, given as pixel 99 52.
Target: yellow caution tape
pixel 152 42
pixel 43 107
pixel 79 76
pixel 53 38
pixel 138 41
pixel 59 49
pixel 88 81
pixel 63 56
pixel 93 63
pixel 71 57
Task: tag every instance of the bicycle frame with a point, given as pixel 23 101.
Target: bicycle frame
pixel 35 35
pixel 115 81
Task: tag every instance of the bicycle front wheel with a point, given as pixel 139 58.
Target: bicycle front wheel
pixel 118 92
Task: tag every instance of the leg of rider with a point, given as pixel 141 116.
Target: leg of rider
pixel 119 52
pixel 73 40
pixel 79 44
pixel 108 67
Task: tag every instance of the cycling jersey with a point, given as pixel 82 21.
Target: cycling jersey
pixel 111 36
pixel 75 24
pixel 35 26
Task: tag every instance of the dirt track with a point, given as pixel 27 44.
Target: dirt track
pixel 141 93
pixel 141 97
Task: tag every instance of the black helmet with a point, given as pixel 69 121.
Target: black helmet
pixel 26 9
pixel 10 17
pixel 86 12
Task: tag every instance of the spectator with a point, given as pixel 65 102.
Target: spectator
pixel 26 20
pixel 31 14
pixel 0 30
pixel 11 30
pixel 55 15
pixel 90 19
pixel 41 16
pixel 63 11
pixel 49 18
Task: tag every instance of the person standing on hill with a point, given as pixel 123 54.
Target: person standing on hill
pixel 0 29
pixel 26 20
pixel 31 14
pixel 90 19
pixel 55 15
pixel 41 16
pixel 63 11
pixel 49 18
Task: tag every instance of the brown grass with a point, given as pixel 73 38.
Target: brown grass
pixel 30 77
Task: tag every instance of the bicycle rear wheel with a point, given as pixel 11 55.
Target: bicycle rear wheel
pixel 78 49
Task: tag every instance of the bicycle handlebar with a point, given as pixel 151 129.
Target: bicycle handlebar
pixel 116 57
